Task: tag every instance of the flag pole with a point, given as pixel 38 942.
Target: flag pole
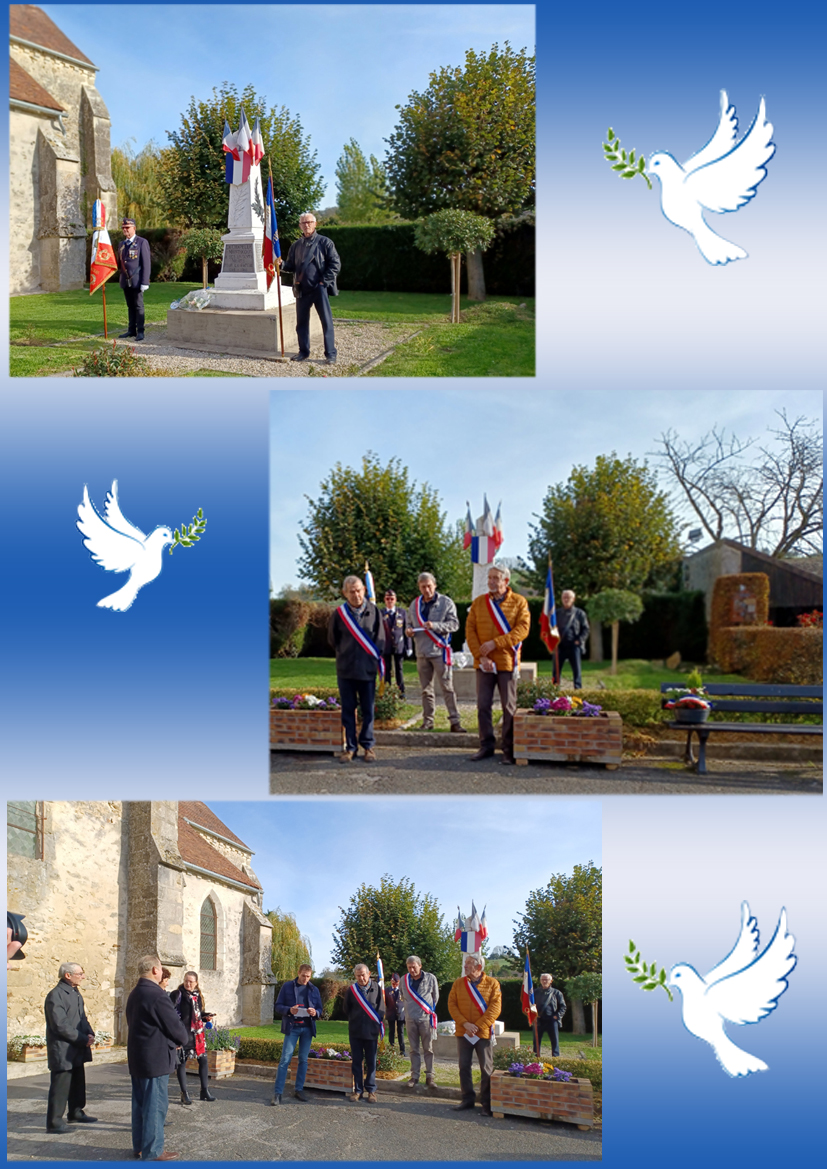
pixel 536 1044
pixel 277 262
pixel 555 669
pixel 103 294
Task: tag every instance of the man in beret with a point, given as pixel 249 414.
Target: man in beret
pixel 133 267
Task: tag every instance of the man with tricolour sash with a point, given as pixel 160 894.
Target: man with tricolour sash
pixel 432 618
pixel 357 634
pixel 420 994
pixel 474 1003
pixel 498 623
pixel 365 1009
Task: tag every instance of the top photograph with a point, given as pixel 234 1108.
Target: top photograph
pixel 267 206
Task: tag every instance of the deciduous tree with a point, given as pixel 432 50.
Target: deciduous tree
pixel 395 921
pixel 611 607
pixel 362 187
pixel 454 232
pixel 378 514
pixel 136 177
pixel 289 947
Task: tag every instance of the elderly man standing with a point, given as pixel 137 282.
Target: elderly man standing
pixel 420 994
pixel 497 624
pixel 551 1006
pixel 357 634
pixel 155 1031
pixel 365 1010
pixel 432 618
pixel 69 1037
pixel 300 1005
pixel 315 264
pixel 474 1004
pixel 573 627
pixel 134 266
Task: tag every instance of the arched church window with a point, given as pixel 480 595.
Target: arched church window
pixel 208 936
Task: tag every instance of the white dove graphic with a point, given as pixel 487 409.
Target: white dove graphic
pixel 741 989
pixel 118 546
pixel 721 177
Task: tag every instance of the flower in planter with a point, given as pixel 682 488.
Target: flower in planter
pixel 567 704
pixel 558 1076
pixel 16 1043
pixel 305 702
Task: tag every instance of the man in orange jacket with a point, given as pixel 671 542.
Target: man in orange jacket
pixel 497 624
pixel 474 1004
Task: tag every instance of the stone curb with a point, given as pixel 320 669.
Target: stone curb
pixel 395 1086
pixel 38 1067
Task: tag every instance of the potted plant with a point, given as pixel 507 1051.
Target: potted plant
pixel 542 1091
pixel 565 728
pixel 221 1051
pixel 26 1048
pixel 688 704
pixel 103 1040
pixel 305 722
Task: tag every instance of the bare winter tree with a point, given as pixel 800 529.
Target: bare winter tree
pixel 769 497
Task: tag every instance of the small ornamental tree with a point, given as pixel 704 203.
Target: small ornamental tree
pixel 610 608
pixel 454 232
pixel 588 988
pixel 204 243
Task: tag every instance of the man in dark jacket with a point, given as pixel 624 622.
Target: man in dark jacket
pixel 315 263
pixel 551 1006
pixel 155 1031
pixel 365 1009
pixel 573 627
pixel 300 1005
pixel 395 1013
pixel 394 620
pixel 68 1040
pixel 356 632
pixel 134 265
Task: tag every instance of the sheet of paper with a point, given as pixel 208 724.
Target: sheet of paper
pixel 472 1039
pixel 302 1013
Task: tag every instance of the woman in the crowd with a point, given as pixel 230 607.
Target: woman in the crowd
pixel 189 1003
pixel 166 975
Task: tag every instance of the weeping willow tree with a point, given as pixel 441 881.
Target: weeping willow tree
pixel 136 177
pixel 289 947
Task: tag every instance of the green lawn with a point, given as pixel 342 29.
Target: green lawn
pixel 430 308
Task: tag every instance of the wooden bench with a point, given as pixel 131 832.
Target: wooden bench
pixel 758 699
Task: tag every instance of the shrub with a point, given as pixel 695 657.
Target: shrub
pixel 738 599
pixel 268 1050
pixel 788 656
pixel 637 708
pixel 388 1059
pixel 114 362
pixel 220 1039
pixel 387 705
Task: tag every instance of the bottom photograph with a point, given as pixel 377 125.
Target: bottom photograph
pixel 384 979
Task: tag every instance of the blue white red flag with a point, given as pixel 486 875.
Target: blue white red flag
pixel 469 528
pixel 236 147
pixel 271 248
pixel 471 933
pixel 380 972
pixel 527 994
pixel 483 549
pixel 548 618
pixel 498 526
pixel 256 144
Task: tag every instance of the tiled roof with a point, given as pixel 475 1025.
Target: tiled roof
pixel 196 851
pixel 32 24
pixel 22 87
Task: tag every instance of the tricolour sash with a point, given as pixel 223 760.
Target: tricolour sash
pixel 366 1007
pixel 444 643
pixel 417 998
pixel 475 995
pixel 499 618
pixel 363 638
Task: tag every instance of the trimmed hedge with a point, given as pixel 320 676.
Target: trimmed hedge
pixel 163 243
pixel 723 614
pixel 384 258
pixel 637 708
pixel 762 653
pixel 587 1069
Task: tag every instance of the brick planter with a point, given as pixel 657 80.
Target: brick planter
pixel 329 1075
pixel 29 1055
pixel 572 1103
pixel 568 739
pixel 306 730
pixel 220 1064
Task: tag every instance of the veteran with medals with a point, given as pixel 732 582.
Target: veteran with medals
pixel 357 634
pixel 134 266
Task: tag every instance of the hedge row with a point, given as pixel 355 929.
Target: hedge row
pixel 587 1069
pixel 788 656
pixel 168 259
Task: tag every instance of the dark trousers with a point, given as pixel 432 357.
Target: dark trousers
pixel 506 682
pixel 351 689
pixel 314 297
pixel 364 1050
pixel 567 651
pixel 466 1052
pixel 135 308
pixel 400 1030
pixel 65 1087
pixel 396 661
pixel 203 1074
pixel 548 1026
pixel 150 1101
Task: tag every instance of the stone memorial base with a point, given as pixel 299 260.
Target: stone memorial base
pixel 465 682
pixel 246 332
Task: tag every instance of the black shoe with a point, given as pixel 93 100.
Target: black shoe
pixel 205 1094
pixel 457 729
pixel 125 336
pixel 300 357
pixel 464 1106
pixel 483 753
pixel 58 1126
pixel 80 1117
pixel 508 760
pixel 330 361
pixel 276 1100
pixel 299 1094
pixel 140 337
pixel 486 1112
pixel 185 1097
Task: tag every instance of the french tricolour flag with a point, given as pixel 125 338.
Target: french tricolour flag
pixel 548 618
pixel 237 149
pixel 271 248
pixel 527 1004
pixel 469 528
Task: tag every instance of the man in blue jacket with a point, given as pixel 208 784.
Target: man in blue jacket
pixel 300 1005
pixel 315 264
pixel 134 265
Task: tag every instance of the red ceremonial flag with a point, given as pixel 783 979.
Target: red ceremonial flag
pixel 104 263
pixel 548 618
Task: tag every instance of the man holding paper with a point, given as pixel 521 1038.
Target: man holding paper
pixel 432 618
pixel 474 1004
pixel 300 1005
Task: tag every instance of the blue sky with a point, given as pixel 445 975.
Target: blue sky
pixel 311 855
pixel 512 445
pixel 346 87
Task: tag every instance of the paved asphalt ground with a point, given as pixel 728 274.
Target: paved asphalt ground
pixel 417 770
pixel 240 1126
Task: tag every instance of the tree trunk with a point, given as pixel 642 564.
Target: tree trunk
pixel 476 275
pixel 615 638
pixel 456 274
pixel 594 1024
pixel 596 643
pixel 204 270
pixel 578 1018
